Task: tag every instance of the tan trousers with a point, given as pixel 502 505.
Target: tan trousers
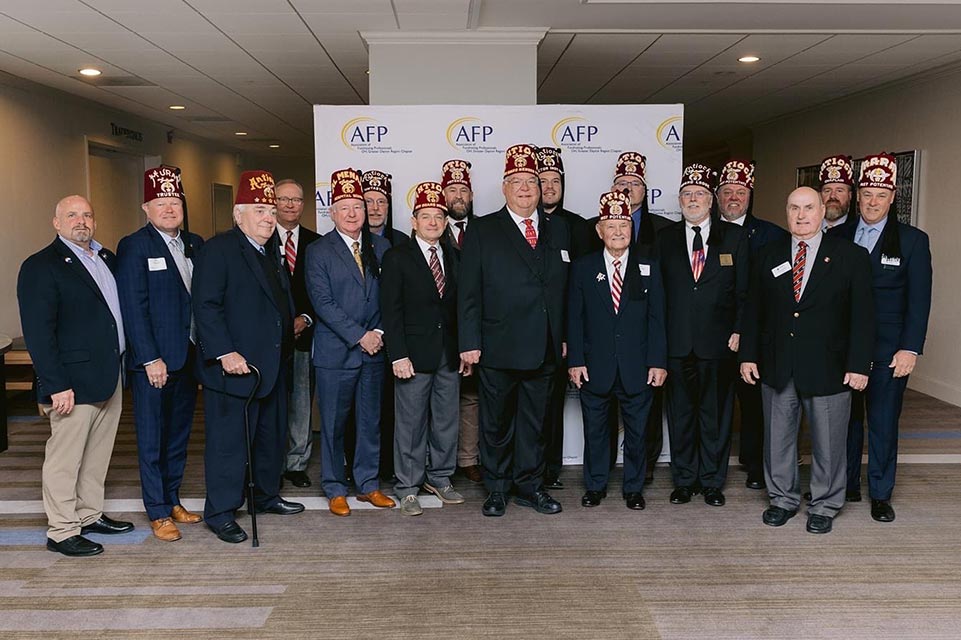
pixel 75 464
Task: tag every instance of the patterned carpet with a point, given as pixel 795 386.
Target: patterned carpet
pixel 689 571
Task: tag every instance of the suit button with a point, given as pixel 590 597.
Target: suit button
pixel 792 334
pixel 438 325
pixel 797 315
pixel 277 346
pixel 695 288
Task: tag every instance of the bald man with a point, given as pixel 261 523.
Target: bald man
pixel 808 335
pixel 70 314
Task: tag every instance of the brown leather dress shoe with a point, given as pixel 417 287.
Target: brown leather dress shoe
pixel 165 529
pixel 377 499
pixel 182 516
pixel 472 473
pixel 339 507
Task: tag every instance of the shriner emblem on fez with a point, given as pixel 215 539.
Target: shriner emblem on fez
pixel 519 161
pixel 167 185
pixel 433 197
pixel 834 173
pixel 696 175
pixel 347 186
pixel 732 174
pixel 615 208
pixel 456 174
pixel 630 167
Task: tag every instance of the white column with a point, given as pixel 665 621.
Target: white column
pixel 453 67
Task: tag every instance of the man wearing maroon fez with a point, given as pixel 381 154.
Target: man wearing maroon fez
pixel 418 304
pixel 617 347
pixel 343 281
pixel 244 314
pixel 705 262
pixel 154 273
pixel 550 171
pixel 901 280
pixel 456 183
pixel 836 178
pixel 511 293
pixel 735 191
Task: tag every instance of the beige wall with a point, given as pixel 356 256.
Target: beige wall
pixel 918 115
pixel 44 137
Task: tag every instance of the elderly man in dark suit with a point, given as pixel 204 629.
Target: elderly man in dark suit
pixel 901 276
pixel 808 334
pixel 513 281
pixel 706 263
pixel 343 281
pixel 154 274
pixel 735 190
pixel 418 304
pixel 244 314
pixel 73 328
pixel 292 239
pixel 617 347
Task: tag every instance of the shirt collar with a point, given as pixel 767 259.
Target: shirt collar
pixel 347 239
pixel 165 237
pixel 705 226
pixel 425 246
pixel 77 249
pixel 813 242
pixel 609 259
pixel 518 220
pixel 283 233
pixel 739 221
pixel 837 223
pixel 879 225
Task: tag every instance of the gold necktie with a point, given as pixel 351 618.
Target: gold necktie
pixel 360 264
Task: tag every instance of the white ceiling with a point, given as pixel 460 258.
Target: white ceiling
pixel 259 65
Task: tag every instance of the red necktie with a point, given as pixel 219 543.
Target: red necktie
pixel 435 269
pixel 617 283
pixel 798 271
pixel 697 254
pixel 290 252
pixel 529 233
pixel 460 234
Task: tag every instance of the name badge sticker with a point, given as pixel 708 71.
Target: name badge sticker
pixel 156 264
pixel 781 269
pixel 565 256
pixel 645 269
pixel 727 260
pixel 892 261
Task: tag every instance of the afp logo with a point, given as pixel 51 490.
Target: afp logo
pixel 468 131
pixel 573 131
pixel 363 131
pixel 322 198
pixel 670 133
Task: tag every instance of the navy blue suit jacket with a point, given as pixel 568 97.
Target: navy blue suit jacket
pixel 628 342
pixel 346 305
pixel 902 291
pixel 68 328
pixel 760 232
pixel 154 301
pixel 234 310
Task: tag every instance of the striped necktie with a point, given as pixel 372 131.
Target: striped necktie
pixel 798 271
pixel 290 252
pixel 617 283
pixel 435 269
pixel 529 233
pixel 697 254
pixel 357 259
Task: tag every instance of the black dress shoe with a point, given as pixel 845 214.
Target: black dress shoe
pixel 539 501
pixel 681 495
pixel 283 508
pixel 299 479
pixel 714 497
pixel 777 516
pixel 230 531
pixel 755 480
pixel 76 546
pixel 852 495
pixel 495 505
pixel 107 526
pixel 882 511
pixel 553 483
pixel 635 501
pixel 807 496
pixel 593 498
pixel 819 524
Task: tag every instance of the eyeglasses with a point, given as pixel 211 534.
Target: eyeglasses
pixel 286 200
pixel 517 183
pixel 634 184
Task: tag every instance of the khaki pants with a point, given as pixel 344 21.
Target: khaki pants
pixel 75 464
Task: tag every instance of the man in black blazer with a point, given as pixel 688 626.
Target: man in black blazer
pixel 73 328
pixel 808 335
pixel 735 192
pixel 902 279
pixel 292 239
pixel 513 281
pixel 418 302
pixel 617 347
pixel 459 196
pixel 244 313
pixel 705 262
pixel 154 274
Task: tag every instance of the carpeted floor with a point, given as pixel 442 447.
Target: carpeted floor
pixel 689 571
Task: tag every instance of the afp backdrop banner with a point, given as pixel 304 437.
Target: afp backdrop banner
pixel 412 142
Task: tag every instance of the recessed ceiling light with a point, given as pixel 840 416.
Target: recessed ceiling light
pixel 90 72
pixel 275 146
pixel 176 107
pixel 748 59
pixel 240 133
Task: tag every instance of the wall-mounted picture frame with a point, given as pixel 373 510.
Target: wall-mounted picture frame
pixel 909 171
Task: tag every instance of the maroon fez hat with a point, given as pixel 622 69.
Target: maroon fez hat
pixel 615 205
pixel 521 159
pixel 700 175
pixel 737 172
pixel 344 184
pixel 376 181
pixel 256 187
pixel 456 172
pixel 879 172
pixel 427 195
pixel 836 170
pixel 549 159
pixel 631 163
pixel 162 182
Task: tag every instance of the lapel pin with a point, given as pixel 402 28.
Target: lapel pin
pixel 68 260
pixel 827 258
pixel 601 277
